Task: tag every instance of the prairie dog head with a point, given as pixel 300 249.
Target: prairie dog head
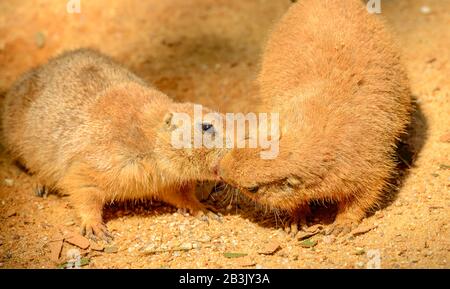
pixel 268 182
pixel 190 141
pixel 282 182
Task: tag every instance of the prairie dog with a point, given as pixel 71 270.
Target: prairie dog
pixel 90 128
pixel 332 72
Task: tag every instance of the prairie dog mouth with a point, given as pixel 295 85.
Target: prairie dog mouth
pixel 284 194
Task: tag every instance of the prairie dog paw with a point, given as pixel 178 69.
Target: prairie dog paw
pixel 294 226
pixel 41 191
pixel 96 231
pixel 298 221
pixel 206 213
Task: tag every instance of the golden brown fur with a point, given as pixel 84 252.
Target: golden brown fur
pixel 90 128
pixel 331 71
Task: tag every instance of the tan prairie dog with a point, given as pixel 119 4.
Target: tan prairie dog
pixel 90 128
pixel 332 72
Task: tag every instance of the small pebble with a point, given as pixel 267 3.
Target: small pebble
pixel 205 239
pixel 9 182
pixel 379 215
pixel 359 251
pixel 258 266
pixel 360 264
pixel 425 9
pixel 328 239
pixel 186 246
pixel 363 229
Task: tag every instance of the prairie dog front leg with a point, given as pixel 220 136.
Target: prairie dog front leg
pixel 88 200
pixel 184 197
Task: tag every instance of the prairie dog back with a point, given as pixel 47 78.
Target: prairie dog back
pixel 49 106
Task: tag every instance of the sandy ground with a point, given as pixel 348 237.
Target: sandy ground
pixel 207 51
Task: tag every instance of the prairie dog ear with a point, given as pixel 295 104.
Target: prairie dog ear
pixel 168 121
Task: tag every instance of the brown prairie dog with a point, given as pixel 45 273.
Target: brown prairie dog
pixel 90 128
pixel 332 72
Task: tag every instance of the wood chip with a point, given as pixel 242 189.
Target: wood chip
pixel 97 247
pixel 309 232
pixel 57 237
pixel 11 213
pixel 302 235
pixel 246 262
pixel 362 230
pixel 315 228
pixel 55 250
pixel 270 249
pixel 78 241
pixel 111 250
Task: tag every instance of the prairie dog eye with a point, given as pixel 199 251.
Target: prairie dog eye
pixel 253 190
pixel 207 127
